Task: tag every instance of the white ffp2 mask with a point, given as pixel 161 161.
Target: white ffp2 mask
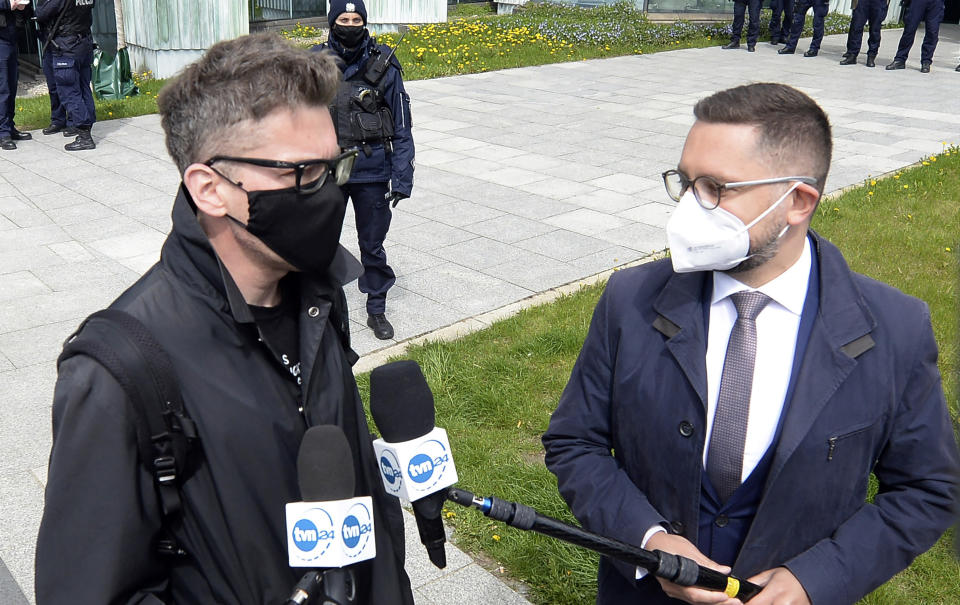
pixel 710 240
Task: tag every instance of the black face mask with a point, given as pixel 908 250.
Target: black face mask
pixel 349 35
pixel 302 228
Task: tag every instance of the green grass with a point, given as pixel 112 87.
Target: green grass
pixel 476 40
pixel 495 389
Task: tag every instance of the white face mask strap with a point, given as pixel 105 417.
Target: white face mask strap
pixel 772 206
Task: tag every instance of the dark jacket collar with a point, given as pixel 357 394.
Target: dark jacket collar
pixel 188 254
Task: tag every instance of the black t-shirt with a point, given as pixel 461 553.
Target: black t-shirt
pixel 279 329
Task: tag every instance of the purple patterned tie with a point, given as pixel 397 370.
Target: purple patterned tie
pixel 725 456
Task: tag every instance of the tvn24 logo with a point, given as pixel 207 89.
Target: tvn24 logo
pixel 429 464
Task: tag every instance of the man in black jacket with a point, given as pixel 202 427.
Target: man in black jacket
pixel 247 301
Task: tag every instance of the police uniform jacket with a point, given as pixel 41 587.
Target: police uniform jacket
pixel 75 25
pixel 382 165
pixel 626 441
pixel 102 513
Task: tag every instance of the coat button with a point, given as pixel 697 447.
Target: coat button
pixel 676 527
pixel 686 429
pixel 313 311
pixel 721 521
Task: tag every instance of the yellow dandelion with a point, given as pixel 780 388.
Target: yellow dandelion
pixel 906 186
pixel 496 538
pixel 873 183
pixel 869 193
pixel 933 158
pixel 948 249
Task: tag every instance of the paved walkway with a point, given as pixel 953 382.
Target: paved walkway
pixel 527 179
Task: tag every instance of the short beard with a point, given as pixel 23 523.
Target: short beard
pixel 761 252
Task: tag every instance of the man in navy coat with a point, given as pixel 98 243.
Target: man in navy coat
pixel 844 383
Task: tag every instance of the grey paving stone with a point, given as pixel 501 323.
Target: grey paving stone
pixel 405 260
pixel 563 245
pixel 637 236
pixel 458 213
pixel 471 580
pixel 82 272
pixel 509 228
pixel 608 202
pixel 586 221
pixel 144 241
pixel 651 213
pixel 36 345
pixel 557 188
pixel 44 309
pixel 10 592
pixel 80 213
pixel 536 273
pixel 477 253
pixel 512 176
pixel 26 258
pixel 435 157
pixel 428 237
pixel 20 284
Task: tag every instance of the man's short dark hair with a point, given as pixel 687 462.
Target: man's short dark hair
pixel 239 80
pixel 794 130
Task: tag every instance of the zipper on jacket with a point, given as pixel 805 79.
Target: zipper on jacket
pixel 833 445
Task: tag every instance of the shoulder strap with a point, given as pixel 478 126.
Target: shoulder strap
pixel 165 434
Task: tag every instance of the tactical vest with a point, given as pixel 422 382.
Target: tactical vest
pixel 77 18
pixel 360 112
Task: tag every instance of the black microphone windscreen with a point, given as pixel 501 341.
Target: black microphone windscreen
pixel 401 401
pixel 325 465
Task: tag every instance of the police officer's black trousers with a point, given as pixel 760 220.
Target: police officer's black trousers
pixel 373 220
pixel 820 8
pixel 931 13
pixel 9 73
pixel 58 113
pixel 753 29
pixel 781 19
pixel 867 11
pixel 72 67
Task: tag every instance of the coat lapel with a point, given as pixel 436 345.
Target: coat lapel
pixel 680 318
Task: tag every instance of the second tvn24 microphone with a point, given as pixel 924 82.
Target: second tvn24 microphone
pixel 415 460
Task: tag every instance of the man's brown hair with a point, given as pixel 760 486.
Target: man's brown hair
pixel 794 131
pixel 239 80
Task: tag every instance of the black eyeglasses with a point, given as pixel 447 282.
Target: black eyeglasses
pixel 708 190
pixel 310 174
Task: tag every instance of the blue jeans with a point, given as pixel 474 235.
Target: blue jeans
pixel 72 67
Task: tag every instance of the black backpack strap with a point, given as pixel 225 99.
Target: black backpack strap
pixel 165 434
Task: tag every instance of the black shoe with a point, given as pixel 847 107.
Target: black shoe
pixel 810 53
pixel 871 60
pixel 54 128
pixel 70 131
pixel 925 68
pixel 786 50
pixel 16 135
pixel 730 45
pixel 897 64
pixel 849 60
pixel 83 142
pixel 958 68
pixel 380 326
pixel 7 143
pixel 751 48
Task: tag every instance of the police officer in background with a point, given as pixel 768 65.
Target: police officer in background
pixel 70 41
pixel 58 113
pixel 865 11
pixel 931 13
pixel 753 30
pixel 781 20
pixel 372 112
pixel 800 8
pixel 9 135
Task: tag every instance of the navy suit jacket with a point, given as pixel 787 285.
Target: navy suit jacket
pixel 868 398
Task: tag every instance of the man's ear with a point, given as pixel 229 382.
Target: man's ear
pixel 202 183
pixel 805 200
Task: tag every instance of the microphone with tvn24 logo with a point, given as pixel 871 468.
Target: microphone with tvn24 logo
pixel 331 529
pixel 415 460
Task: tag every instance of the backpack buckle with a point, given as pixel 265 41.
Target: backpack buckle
pixel 165 469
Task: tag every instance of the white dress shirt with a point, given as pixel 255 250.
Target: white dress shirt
pixel 777 327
